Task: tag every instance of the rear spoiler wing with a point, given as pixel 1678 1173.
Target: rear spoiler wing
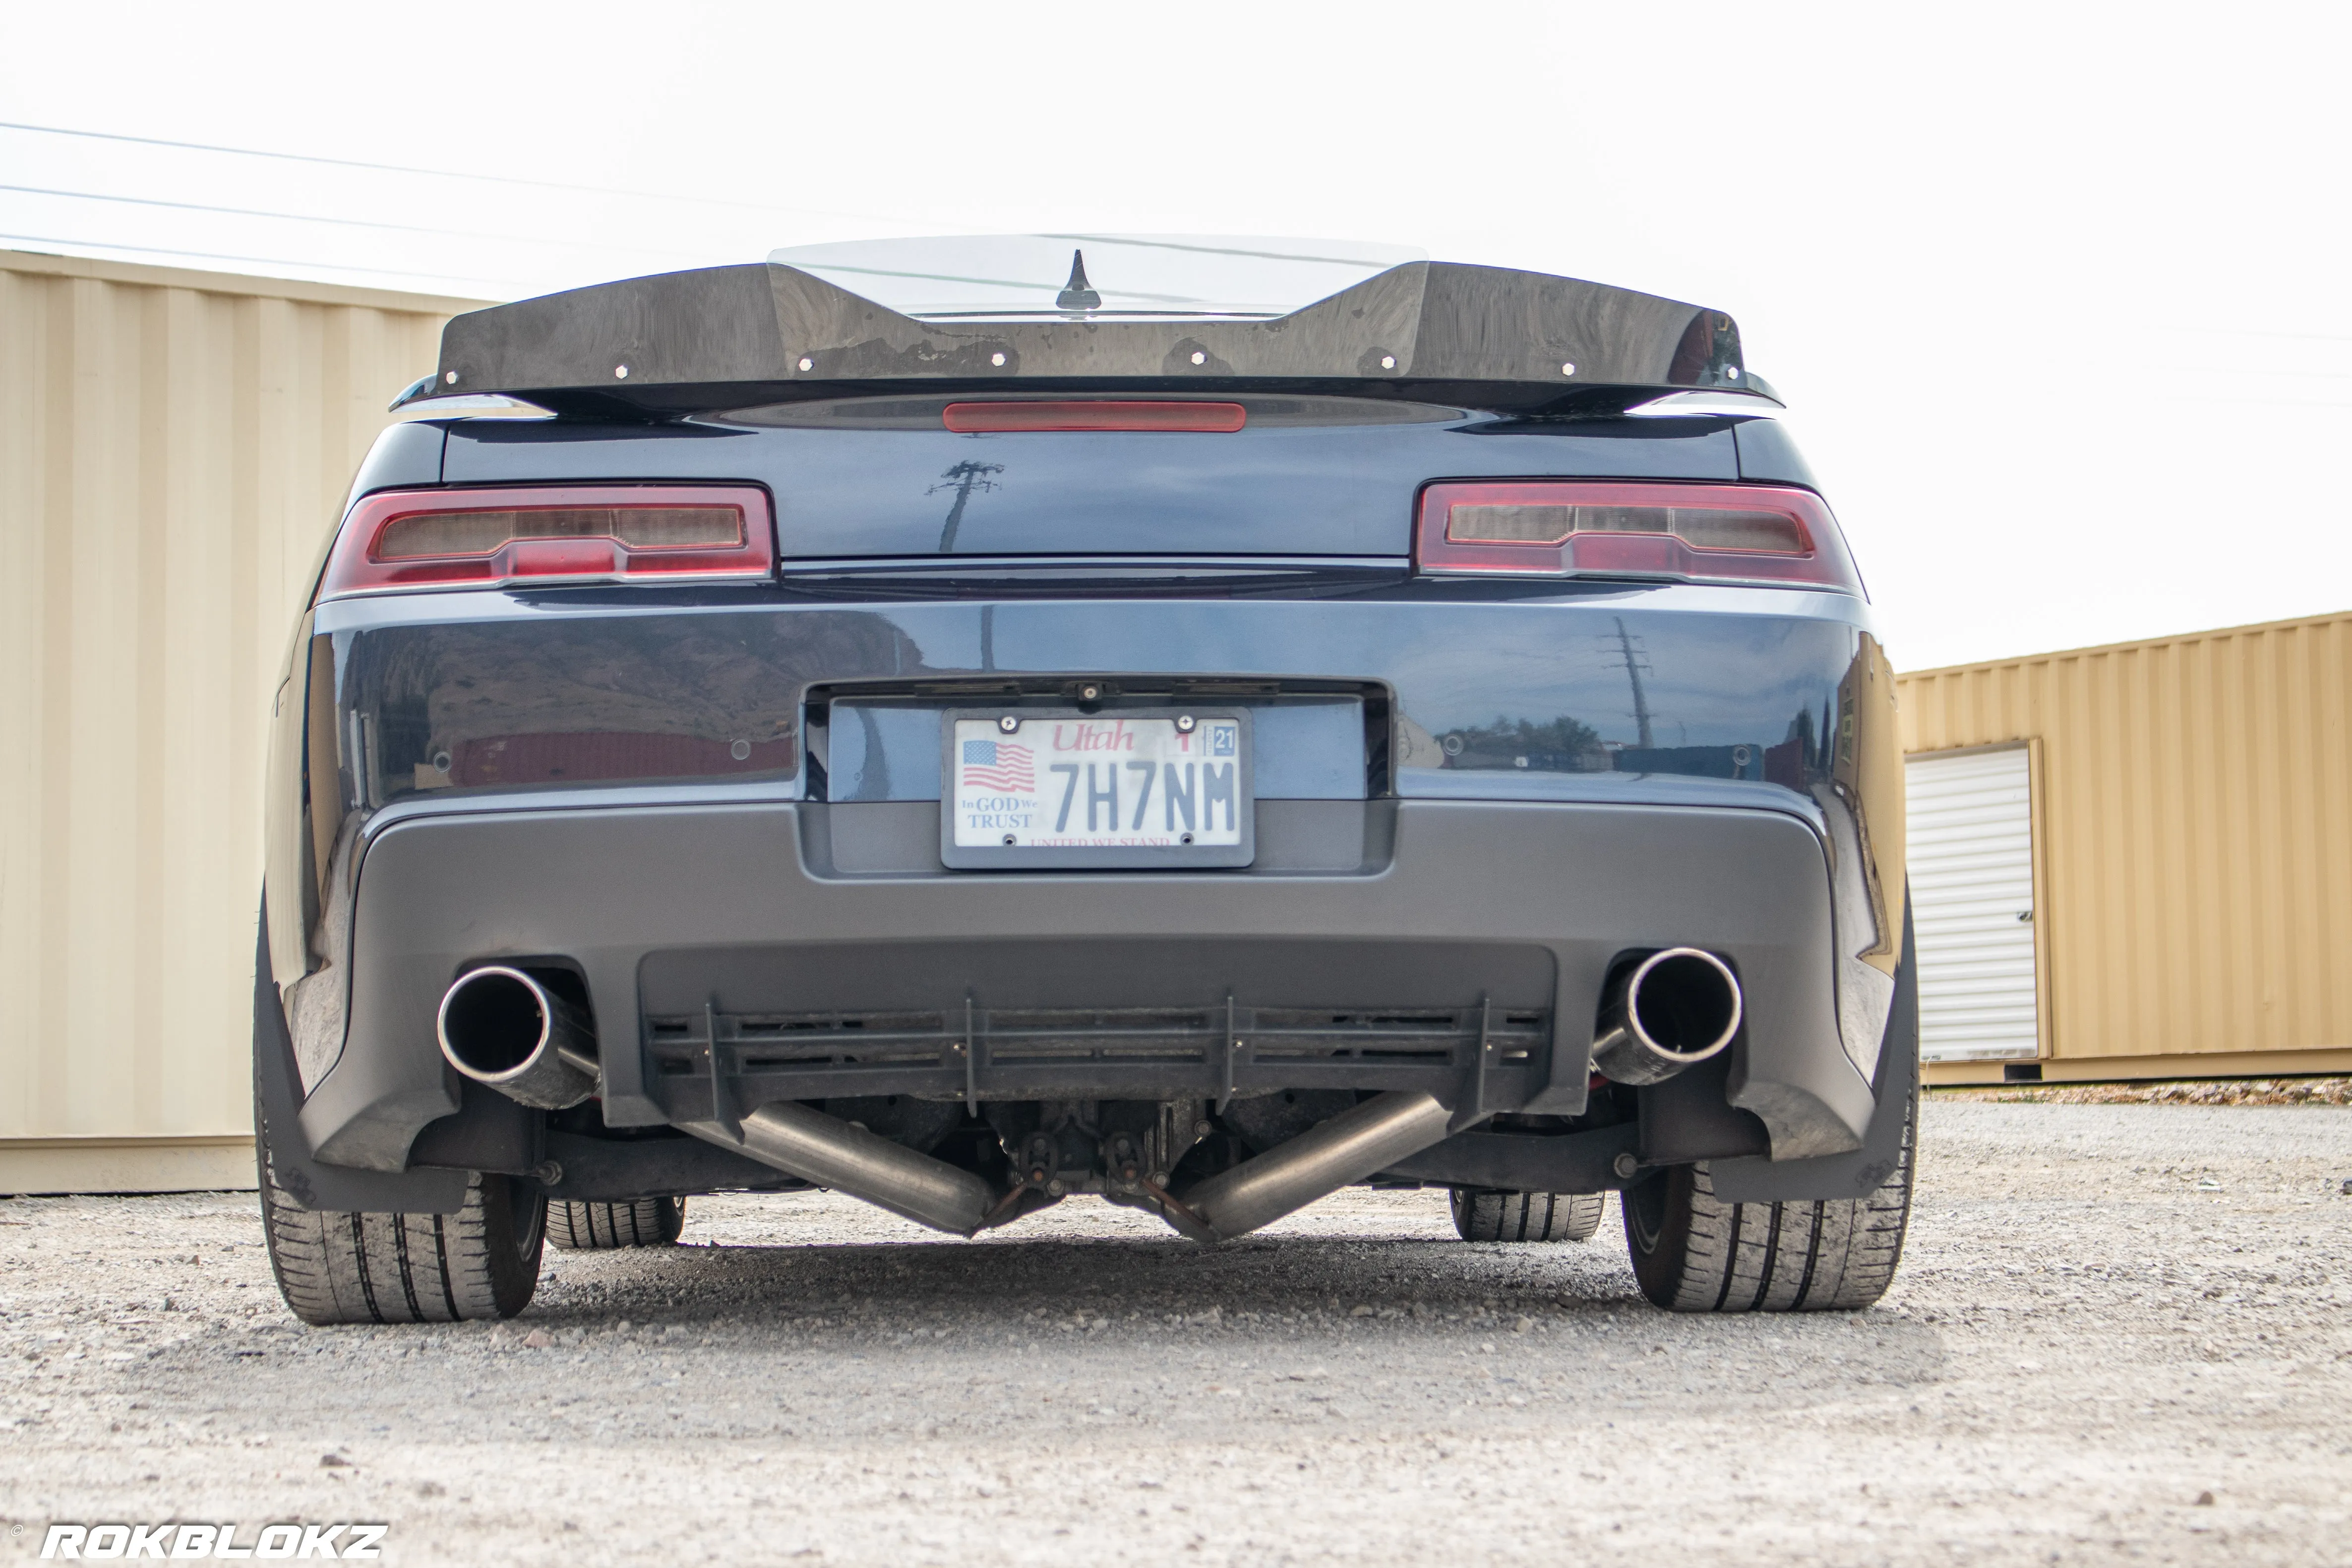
pixel 723 337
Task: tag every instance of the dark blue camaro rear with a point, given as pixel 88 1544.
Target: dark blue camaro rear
pixel 1205 760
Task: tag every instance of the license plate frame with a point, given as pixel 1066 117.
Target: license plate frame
pixel 1036 728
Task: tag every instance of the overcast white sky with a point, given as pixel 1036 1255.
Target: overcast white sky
pixel 2059 295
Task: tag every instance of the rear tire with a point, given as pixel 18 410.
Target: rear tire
pixel 1693 1252
pixel 334 1266
pixel 599 1227
pixel 1484 1214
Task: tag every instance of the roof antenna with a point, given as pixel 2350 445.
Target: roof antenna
pixel 1078 294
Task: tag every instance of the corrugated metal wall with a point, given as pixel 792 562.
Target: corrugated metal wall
pixel 173 448
pixel 2197 825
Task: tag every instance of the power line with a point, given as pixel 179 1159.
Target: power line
pixel 1143 244
pixel 435 174
pixel 260 260
pixel 2308 403
pixel 2246 373
pixel 339 222
pixel 2257 332
pixel 960 278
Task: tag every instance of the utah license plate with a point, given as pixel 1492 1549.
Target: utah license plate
pixel 1043 789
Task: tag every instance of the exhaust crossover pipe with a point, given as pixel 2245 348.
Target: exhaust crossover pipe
pixel 829 1152
pixel 1673 1010
pixel 500 1027
pixel 1360 1142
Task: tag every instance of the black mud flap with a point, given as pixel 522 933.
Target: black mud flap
pixel 278 1133
pixel 1858 1174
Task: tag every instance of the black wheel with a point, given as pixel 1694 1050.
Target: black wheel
pixel 595 1227
pixel 1693 1252
pixel 1484 1214
pixel 334 1266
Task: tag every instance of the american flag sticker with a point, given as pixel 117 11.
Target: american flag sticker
pixel 998 765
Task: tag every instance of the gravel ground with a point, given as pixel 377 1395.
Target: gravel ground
pixel 2192 1091
pixel 2122 1332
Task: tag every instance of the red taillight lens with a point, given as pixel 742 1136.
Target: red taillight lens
pixel 1093 414
pixel 1580 528
pixel 470 538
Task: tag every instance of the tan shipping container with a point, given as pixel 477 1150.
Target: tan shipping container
pixel 175 448
pixel 2192 814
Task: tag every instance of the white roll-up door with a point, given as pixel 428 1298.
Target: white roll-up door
pixel 1971 859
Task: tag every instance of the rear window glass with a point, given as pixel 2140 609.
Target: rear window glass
pixel 1095 275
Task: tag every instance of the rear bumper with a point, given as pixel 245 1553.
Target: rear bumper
pixel 1500 914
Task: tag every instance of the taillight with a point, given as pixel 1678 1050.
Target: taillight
pixel 1580 528
pixel 602 534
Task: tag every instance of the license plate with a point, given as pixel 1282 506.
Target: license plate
pixel 1043 789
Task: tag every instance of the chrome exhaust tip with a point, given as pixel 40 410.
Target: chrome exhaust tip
pixel 1674 1010
pixel 500 1027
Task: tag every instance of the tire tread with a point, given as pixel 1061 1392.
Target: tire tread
pixel 1825 1255
pixel 603 1226
pixel 1486 1213
pixel 339 1266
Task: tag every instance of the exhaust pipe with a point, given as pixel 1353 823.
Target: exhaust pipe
pixel 830 1153
pixel 1676 1008
pixel 1357 1143
pixel 500 1027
